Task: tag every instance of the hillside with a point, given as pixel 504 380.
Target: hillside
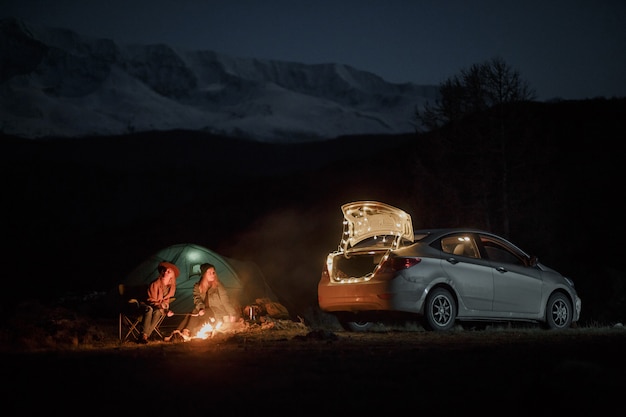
pixel 58 83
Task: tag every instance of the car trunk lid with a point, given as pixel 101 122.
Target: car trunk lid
pixel 366 219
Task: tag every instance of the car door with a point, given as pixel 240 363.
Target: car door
pixel 472 276
pixel 517 285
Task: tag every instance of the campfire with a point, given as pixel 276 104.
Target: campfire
pixel 263 315
pixel 208 330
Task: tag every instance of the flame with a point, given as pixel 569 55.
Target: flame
pixel 207 330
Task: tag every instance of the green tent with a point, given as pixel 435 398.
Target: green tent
pixel 244 281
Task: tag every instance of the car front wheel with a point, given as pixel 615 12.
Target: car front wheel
pixel 558 312
pixel 440 310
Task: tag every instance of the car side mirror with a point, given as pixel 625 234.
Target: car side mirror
pixel 534 260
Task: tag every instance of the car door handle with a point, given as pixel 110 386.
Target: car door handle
pixel 501 269
pixel 452 260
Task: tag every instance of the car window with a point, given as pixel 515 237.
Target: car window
pixel 462 244
pixel 499 252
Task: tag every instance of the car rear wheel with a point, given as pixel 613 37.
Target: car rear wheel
pixel 558 312
pixel 440 310
pixel 358 326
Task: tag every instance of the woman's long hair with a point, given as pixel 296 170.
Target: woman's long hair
pixel 204 283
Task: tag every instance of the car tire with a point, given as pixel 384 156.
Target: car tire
pixel 440 310
pixel 558 312
pixel 358 326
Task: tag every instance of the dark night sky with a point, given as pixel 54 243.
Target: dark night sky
pixel 570 49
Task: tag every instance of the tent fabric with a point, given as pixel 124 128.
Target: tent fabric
pixel 244 281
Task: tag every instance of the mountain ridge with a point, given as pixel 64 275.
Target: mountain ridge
pixel 55 82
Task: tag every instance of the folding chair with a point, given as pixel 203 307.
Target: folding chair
pixel 131 311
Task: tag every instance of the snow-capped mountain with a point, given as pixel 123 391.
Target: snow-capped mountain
pixel 57 83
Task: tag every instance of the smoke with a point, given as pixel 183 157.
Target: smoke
pixel 290 246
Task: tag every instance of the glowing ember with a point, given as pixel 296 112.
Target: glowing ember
pixel 207 330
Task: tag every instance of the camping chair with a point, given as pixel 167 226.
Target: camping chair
pixel 131 311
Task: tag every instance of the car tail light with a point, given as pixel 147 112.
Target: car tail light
pixel 405 263
pixel 398 264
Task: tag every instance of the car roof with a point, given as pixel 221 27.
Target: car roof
pixel 438 232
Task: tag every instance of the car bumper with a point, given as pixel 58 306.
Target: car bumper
pixel 347 297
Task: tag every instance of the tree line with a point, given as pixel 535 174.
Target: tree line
pixel 488 155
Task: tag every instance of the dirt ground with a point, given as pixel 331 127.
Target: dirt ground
pixel 295 370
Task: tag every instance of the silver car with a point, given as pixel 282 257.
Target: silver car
pixel 384 269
